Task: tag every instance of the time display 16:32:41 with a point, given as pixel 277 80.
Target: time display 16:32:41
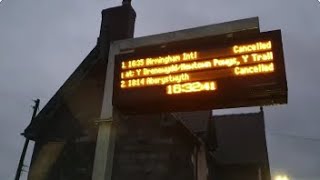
pixel 191 87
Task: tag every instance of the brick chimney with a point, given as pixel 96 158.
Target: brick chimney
pixel 117 23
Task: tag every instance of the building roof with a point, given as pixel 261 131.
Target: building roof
pixel 63 104
pixel 73 109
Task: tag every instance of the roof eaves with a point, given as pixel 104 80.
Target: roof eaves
pixel 58 98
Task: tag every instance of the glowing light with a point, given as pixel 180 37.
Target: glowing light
pixel 174 68
pixel 190 56
pixel 252 47
pixel 255 69
pixel 158 61
pixel 226 62
pixel 196 65
pixel 179 73
pixel 281 177
pixel 154 81
pixel 191 87
pixel 262 56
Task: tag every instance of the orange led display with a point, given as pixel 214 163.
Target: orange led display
pixel 175 69
pixel 229 72
pixel 213 63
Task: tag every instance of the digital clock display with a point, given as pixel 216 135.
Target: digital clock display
pixel 191 87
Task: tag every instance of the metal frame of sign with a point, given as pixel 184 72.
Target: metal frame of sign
pixel 231 91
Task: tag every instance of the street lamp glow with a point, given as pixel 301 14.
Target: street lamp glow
pixel 281 177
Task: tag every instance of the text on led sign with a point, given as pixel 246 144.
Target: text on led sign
pixel 182 73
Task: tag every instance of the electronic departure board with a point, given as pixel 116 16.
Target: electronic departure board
pixel 202 74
